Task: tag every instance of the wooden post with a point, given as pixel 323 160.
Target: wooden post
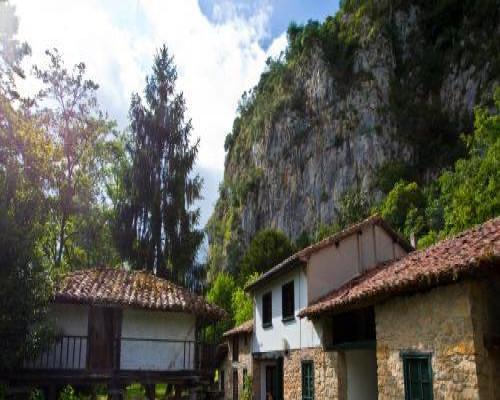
pixel 150 391
pixel 52 392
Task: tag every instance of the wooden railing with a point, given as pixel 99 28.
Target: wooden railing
pixel 70 353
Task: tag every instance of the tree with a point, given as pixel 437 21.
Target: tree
pixel 470 192
pixel 221 294
pixel 79 130
pixel 268 248
pixel 403 207
pixel 155 227
pixel 24 151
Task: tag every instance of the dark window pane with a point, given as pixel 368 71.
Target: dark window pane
pixel 267 309
pixel 287 300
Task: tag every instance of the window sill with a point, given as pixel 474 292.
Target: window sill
pixel 288 320
pixel 268 325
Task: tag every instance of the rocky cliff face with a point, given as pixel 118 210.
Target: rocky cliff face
pixel 401 100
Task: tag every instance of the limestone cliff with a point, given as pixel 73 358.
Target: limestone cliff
pixel 384 87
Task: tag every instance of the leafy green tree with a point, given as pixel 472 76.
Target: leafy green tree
pixel 354 206
pixel 242 306
pixel 470 192
pixel 221 294
pixel 403 207
pixel 25 288
pixel 155 227
pixel 268 248
pixel 79 131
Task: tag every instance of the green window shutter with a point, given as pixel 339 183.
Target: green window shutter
pixel 307 380
pixel 417 376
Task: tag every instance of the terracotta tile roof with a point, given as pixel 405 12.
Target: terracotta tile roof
pixel 282 268
pixel 466 254
pixel 245 327
pixel 302 255
pixel 132 289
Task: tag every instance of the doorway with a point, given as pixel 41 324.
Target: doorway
pixel 361 367
pixel 273 380
pixel 104 331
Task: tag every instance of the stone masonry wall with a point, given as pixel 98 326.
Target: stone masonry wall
pixel 244 362
pixel 328 367
pixel 438 321
pixel 486 320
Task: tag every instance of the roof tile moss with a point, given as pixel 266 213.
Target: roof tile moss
pixel 137 289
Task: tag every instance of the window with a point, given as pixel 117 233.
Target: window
pixel 267 310
pixel 221 378
pixel 307 380
pixel 417 376
pixel 287 301
pixel 236 348
pixel 235 384
pixel 354 326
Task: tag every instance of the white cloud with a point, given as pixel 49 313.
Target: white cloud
pixel 216 61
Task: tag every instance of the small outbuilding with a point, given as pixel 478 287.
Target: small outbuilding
pixel 118 327
pixel 236 369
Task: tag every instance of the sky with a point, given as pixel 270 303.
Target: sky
pixel 219 46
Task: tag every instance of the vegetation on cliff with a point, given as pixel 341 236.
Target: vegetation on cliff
pixel 417 190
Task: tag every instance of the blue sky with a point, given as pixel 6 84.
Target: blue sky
pixel 220 48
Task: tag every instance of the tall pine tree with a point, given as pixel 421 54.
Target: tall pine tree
pixel 155 221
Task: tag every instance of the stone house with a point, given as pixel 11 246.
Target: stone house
pixel 238 361
pixel 289 358
pixel 433 318
pixel 116 327
pixel 373 319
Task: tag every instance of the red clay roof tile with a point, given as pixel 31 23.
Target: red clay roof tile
pixel 132 289
pixel 466 254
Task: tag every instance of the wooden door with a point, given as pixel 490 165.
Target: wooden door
pixel 104 334
pixel 270 382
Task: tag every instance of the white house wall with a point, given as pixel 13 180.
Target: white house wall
pixel 70 353
pixel 157 340
pixel 297 333
pixel 331 267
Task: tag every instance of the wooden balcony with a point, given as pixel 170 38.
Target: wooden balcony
pixel 70 360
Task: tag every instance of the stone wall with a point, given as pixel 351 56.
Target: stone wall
pixel 328 367
pixel 244 362
pixel 486 320
pixel 440 322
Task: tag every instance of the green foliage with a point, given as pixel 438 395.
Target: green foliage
pixel 25 155
pixel 268 248
pixel 156 220
pixel 247 393
pixel 354 206
pixel 242 306
pixel 79 133
pixel 470 192
pixel 461 197
pixel 403 206
pixel 221 294
pixel 68 393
